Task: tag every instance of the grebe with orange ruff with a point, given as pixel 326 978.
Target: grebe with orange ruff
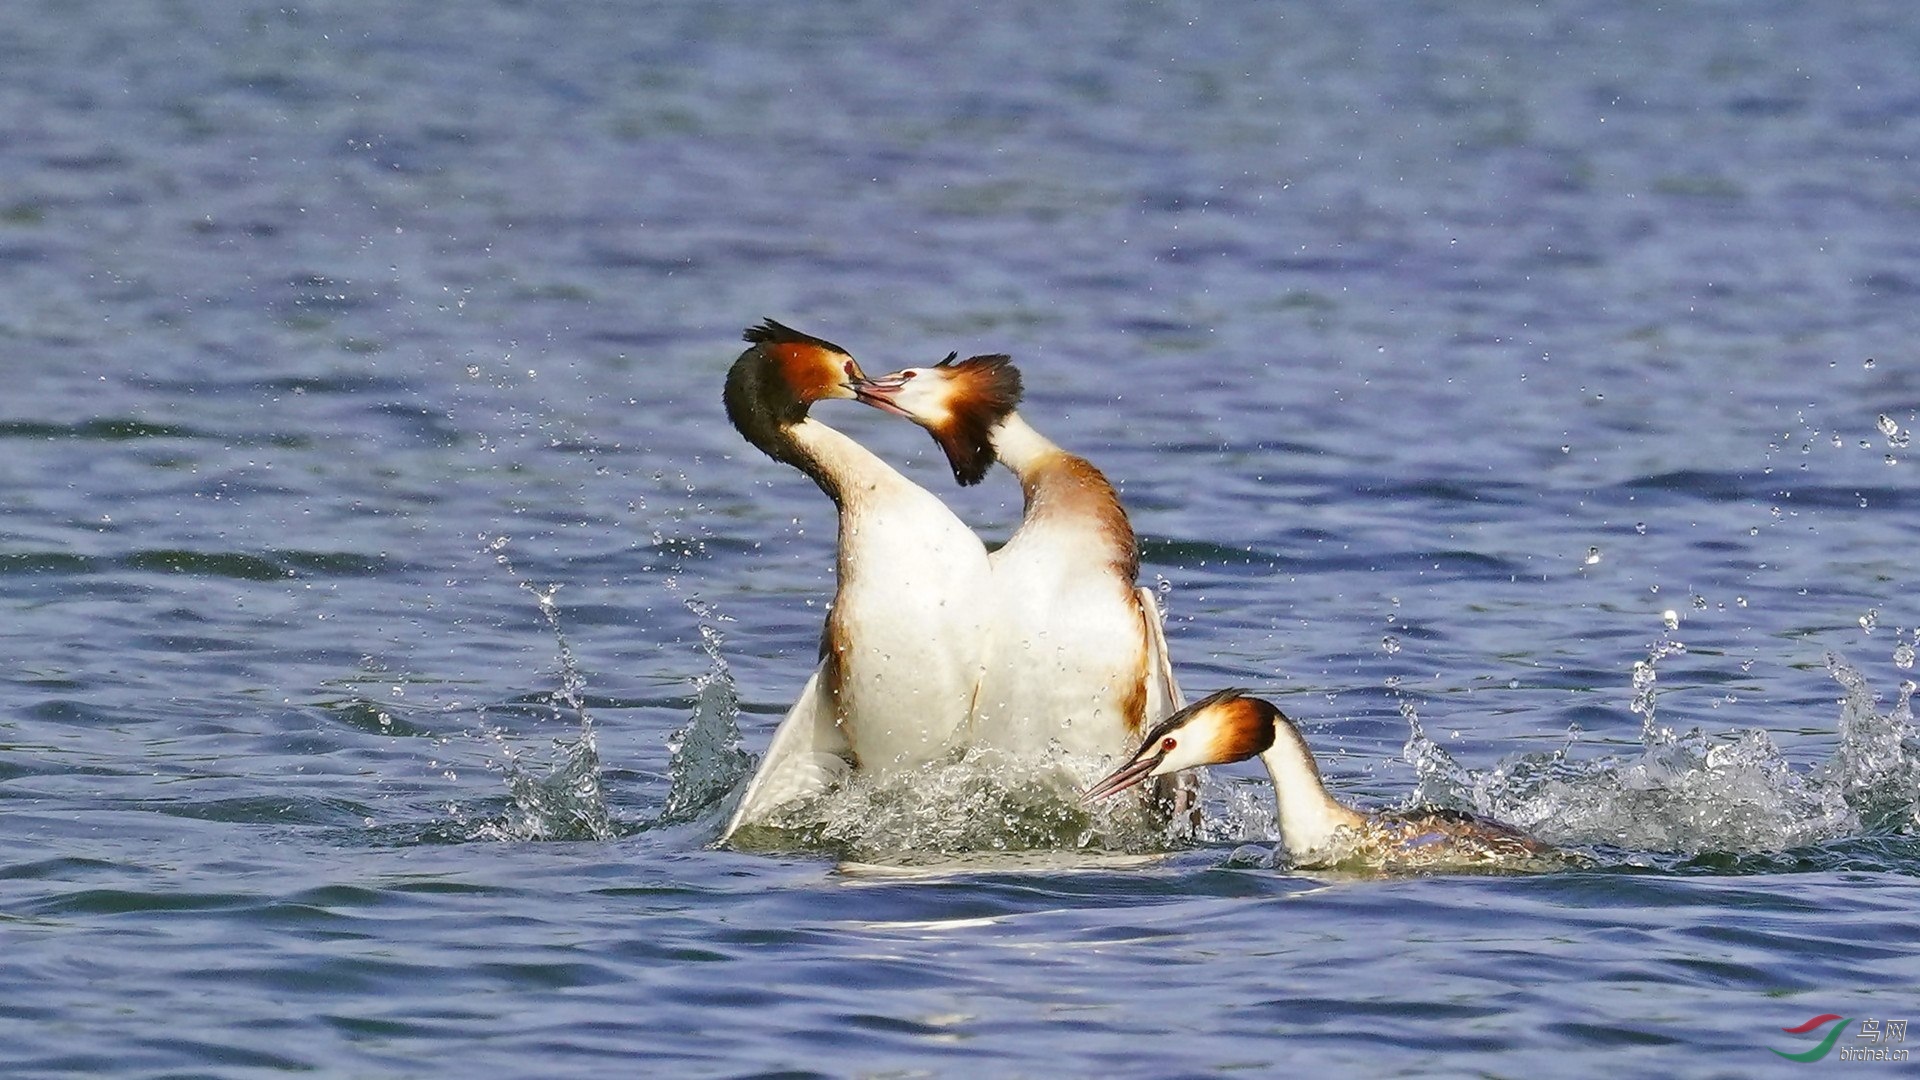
pixel 1318 830
pixel 907 640
pixel 1080 661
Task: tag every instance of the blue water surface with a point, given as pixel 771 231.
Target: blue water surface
pixel 1521 395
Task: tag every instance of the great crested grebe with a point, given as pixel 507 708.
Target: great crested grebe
pixel 1319 830
pixel 1080 661
pixel 907 639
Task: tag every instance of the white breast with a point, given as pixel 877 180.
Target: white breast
pixel 913 625
pixel 1072 659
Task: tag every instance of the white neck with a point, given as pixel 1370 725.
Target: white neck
pixel 1309 816
pixel 1019 447
pixel 842 467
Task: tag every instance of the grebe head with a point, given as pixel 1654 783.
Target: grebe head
pixel 1224 727
pixel 958 401
pixel 793 370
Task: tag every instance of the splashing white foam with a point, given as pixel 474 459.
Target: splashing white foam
pixel 1876 767
pixel 1695 793
pixel 976 801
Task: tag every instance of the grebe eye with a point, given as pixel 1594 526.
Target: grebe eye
pixel 1166 744
pixel 906 376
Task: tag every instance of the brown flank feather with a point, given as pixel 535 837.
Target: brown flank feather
pixel 1133 702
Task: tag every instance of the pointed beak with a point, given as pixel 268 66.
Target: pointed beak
pixel 880 392
pixel 1122 778
pixel 852 377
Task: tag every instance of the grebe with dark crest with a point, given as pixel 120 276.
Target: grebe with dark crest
pixel 907 639
pixel 1318 830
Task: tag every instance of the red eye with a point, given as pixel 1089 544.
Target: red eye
pixel 905 376
pixel 1166 745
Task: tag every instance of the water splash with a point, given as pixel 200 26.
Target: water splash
pixel 1695 794
pixel 705 761
pixel 1437 776
pixel 1897 436
pixel 1876 768
pixel 1645 675
pixel 975 801
pixel 562 798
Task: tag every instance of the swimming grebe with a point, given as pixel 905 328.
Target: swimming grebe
pixel 1080 661
pixel 906 641
pixel 1319 830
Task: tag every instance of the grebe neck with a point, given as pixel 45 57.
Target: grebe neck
pixel 1309 814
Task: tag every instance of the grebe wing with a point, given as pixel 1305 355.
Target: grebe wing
pixel 809 754
pixel 1163 690
pixel 1180 792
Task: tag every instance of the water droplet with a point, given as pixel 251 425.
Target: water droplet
pixel 1390 644
pixel 1891 460
pixel 1699 602
pixel 1740 600
pixel 1870 620
pixel 1671 619
pixel 1640 527
pixel 1593 556
pixel 1903 656
pixel 1513 684
pixel 1565 449
pixel 1887 426
pixel 1838 441
pixel 1869 364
